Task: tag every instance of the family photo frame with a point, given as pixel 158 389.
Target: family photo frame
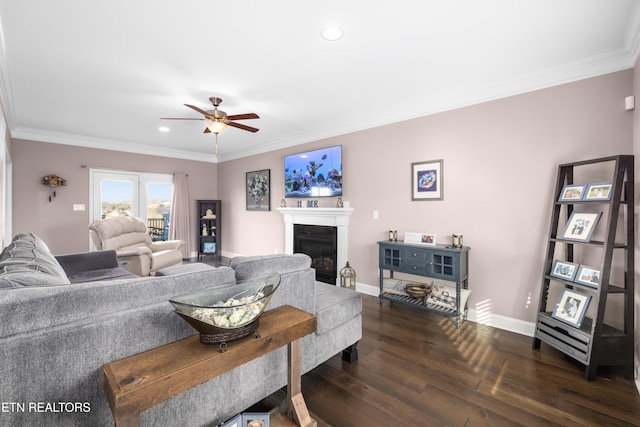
pixel 598 191
pixel 564 270
pixel 255 419
pixel 420 238
pixel 571 307
pixel 580 226
pixel 572 193
pixel 588 276
pixel 426 180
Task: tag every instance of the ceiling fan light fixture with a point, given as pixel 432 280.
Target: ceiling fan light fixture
pixel 216 126
pixel 332 34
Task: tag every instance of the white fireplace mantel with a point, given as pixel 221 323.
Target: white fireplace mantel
pixel 331 217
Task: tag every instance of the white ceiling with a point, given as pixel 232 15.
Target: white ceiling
pixel 101 74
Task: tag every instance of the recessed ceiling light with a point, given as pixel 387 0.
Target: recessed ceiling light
pixel 164 129
pixel 332 33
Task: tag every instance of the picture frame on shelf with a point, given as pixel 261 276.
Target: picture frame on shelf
pixel 572 193
pixel 236 421
pixel 564 270
pixel 258 188
pixel 255 419
pixel 580 226
pixel 427 239
pixel 598 191
pixel 588 276
pixel 427 180
pixel 571 307
pixel 209 247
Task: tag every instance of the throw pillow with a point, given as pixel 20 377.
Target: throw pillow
pixel 27 261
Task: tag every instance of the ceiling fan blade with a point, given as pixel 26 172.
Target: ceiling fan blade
pixel 243 127
pixel 243 116
pixel 199 110
pixel 177 118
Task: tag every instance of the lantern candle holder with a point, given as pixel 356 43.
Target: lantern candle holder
pixel 348 277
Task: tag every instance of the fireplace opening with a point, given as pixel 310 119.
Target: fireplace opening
pixel 321 244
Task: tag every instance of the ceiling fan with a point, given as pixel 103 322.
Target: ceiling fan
pixel 218 120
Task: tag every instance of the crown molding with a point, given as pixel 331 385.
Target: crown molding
pixel 108 144
pixel 597 65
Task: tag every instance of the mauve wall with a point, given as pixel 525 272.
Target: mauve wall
pixel 64 230
pixel 500 164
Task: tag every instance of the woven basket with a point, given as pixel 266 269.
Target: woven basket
pixel 210 334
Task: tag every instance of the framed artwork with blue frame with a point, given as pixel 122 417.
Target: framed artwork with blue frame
pixel 426 180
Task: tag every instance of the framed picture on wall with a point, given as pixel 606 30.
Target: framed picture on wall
pixel 426 180
pixel 258 190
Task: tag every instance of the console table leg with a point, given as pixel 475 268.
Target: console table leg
pixel 133 421
pixel 296 406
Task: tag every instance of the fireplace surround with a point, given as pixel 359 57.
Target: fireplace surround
pixel 329 217
pixel 320 242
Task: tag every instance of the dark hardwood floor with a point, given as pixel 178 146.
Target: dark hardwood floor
pixel 416 369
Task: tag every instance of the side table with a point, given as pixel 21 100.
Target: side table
pixel 141 381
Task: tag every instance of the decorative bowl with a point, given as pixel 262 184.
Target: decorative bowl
pixel 417 290
pixel 226 312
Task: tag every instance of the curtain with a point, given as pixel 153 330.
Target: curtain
pixel 179 222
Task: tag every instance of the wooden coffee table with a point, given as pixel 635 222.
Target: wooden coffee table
pixel 141 381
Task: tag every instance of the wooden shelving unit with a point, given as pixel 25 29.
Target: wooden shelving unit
pixel 209 244
pixel 594 343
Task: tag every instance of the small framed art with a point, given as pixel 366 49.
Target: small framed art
pixel 420 238
pixel 233 422
pixel 258 194
pixel 572 193
pixel 255 419
pixel 588 276
pixel 564 270
pixel 571 307
pixel 209 247
pixel 599 191
pixel 426 180
pixel 580 226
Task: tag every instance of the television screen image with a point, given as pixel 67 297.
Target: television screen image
pixel 315 173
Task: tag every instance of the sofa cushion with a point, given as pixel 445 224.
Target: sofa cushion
pixel 189 267
pixel 248 267
pixel 335 306
pixel 27 261
pixel 101 274
pixel 49 308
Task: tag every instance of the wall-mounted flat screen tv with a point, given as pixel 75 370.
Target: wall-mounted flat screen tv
pixel 315 173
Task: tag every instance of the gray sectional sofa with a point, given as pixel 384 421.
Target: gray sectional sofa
pixel 56 335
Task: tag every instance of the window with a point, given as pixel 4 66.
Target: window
pixel 144 195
